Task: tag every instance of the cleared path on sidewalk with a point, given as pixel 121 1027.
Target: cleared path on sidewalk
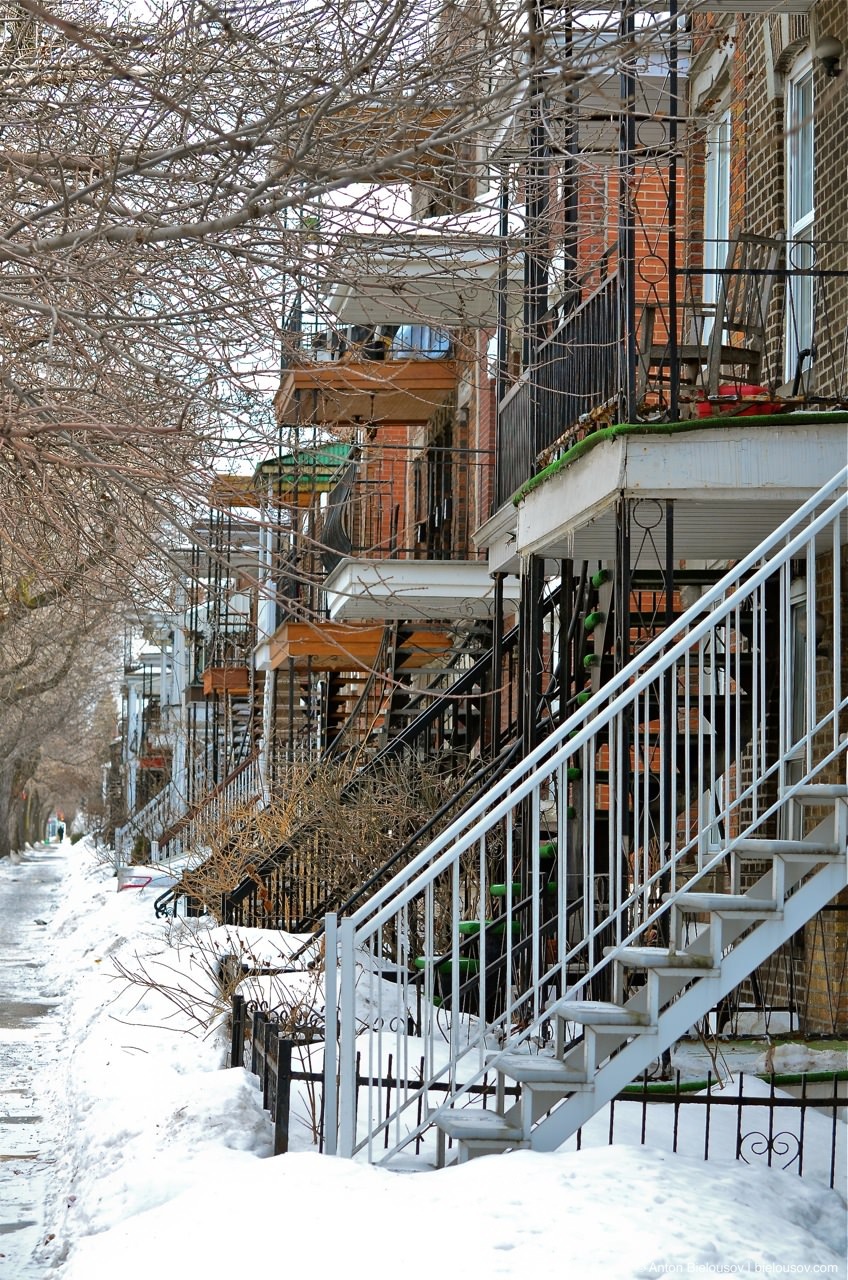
pixel 29 894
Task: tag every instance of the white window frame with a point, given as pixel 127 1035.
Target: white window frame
pixel 800 208
pixel 716 212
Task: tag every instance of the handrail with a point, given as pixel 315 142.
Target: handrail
pixel 407 737
pixel 634 678
pixel 653 768
pixel 145 820
pixel 196 808
pixel 377 673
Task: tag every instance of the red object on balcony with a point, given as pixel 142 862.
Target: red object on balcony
pixel 739 400
pixel 151 762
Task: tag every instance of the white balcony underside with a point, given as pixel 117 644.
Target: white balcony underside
pixel 423 282
pixel 410 590
pixel 730 487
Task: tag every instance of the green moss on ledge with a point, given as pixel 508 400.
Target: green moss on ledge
pixel 670 429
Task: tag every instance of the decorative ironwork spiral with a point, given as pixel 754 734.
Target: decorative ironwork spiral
pixel 773 1148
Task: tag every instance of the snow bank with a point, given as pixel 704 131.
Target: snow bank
pixel 163 1171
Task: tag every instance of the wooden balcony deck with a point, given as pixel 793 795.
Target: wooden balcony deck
pixel 333 646
pixel 368 390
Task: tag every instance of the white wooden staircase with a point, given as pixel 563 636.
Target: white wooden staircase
pixel 626 876
pixel 562 1089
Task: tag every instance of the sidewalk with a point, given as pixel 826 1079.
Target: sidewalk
pixel 29 895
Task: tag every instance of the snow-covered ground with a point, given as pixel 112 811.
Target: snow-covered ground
pixel 164 1167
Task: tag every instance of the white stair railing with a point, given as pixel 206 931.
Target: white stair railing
pixel 150 821
pixel 586 846
pixel 241 789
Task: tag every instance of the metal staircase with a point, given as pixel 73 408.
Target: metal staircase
pixel 711 824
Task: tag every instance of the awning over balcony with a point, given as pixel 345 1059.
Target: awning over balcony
pixel 425 279
pixel 732 484
pixel 410 590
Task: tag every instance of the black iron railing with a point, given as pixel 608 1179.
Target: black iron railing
pixel 762 333
pixel 574 373
pixel 311 339
pixel 789 1121
pixel 408 503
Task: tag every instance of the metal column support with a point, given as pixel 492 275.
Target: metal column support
pixel 627 212
pixel 497 666
pixel 532 584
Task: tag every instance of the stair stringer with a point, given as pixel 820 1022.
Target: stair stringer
pixel 689 1006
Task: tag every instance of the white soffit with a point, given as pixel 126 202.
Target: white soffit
pixel 730 488
pixel 414 590
pixel 426 280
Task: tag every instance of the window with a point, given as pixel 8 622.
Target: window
pixel 420 340
pixel 716 213
pixel 800 217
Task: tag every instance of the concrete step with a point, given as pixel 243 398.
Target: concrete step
pixel 538 1071
pixel 789 850
pixel 818 792
pixel 475 1125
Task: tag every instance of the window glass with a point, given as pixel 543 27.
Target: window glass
pixel 716 211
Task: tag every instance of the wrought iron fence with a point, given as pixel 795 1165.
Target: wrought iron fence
pixel 795 1122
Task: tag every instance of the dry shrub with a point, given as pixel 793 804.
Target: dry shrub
pixel 337 835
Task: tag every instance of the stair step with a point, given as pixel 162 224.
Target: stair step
pixel 791 850
pixel 672 962
pixel 726 902
pixel 601 1013
pixel 476 1124
pixel 537 1071
pixel 814 792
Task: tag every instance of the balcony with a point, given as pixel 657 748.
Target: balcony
pixel 333 646
pixel 365 375
pixel 388 537
pixel 770 343
pixel 410 590
pixel 233 680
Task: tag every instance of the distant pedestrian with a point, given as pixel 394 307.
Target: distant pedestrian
pixel 60 832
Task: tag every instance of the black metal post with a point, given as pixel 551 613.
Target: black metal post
pixel 254 1042
pixel 237 1036
pixel 566 610
pixel 283 1099
pixel 674 114
pixel 626 211
pixel 531 646
pixel 497 660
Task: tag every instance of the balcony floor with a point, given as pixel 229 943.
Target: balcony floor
pixel 334 646
pixel 732 484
